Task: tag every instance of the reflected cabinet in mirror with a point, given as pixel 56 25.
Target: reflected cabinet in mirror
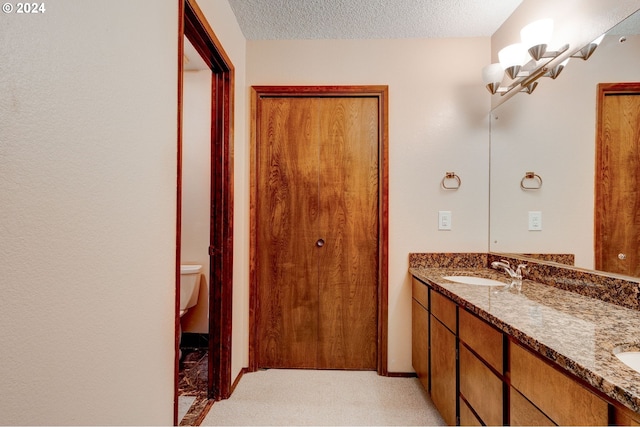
pixel 554 134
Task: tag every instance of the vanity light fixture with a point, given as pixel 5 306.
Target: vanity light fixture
pixel 586 52
pixel 525 62
pixel 555 71
pixel 536 37
pixel 512 58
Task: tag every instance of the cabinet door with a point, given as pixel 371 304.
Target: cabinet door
pixel 560 397
pixel 481 388
pixel 624 417
pixel 467 417
pixel 483 338
pixel 443 370
pixel 524 413
pixel 420 342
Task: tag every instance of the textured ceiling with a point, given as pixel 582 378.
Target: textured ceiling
pixel 370 19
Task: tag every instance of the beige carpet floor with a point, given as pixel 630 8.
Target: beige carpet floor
pixel 288 397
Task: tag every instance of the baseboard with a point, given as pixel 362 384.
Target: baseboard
pixel 402 374
pixel 194 340
pixel 237 380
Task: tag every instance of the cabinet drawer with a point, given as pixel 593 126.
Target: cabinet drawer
pixel 561 398
pixel 467 417
pixel 483 338
pixel 524 413
pixel 420 292
pixel 444 310
pixel 481 388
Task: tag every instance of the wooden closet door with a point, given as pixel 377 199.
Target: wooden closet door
pixel 317 232
pixel 618 179
pixel 287 234
pixel 349 226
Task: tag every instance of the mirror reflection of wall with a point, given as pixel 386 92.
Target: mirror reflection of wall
pixel 552 133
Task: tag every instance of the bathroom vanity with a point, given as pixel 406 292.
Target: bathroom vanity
pixel 528 353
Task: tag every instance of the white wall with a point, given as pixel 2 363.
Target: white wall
pixel 196 190
pixel 437 123
pixel 224 24
pixel 87 183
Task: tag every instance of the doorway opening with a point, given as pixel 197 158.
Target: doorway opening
pixel 194 27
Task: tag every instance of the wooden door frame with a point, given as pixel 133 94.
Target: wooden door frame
pixel 382 94
pixel 193 25
pixel 604 89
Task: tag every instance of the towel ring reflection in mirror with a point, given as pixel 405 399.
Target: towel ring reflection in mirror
pixel 451 181
pixel 534 181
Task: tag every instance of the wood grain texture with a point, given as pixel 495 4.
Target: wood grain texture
pixel 258 94
pixel 318 180
pixel 420 292
pixel 420 342
pixel 617 219
pixel 561 398
pixel 443 370
pixel 444 309
pixel 288 204
pixel 623 416
pixel 467 417
pixel 483 338
pixel 524 413
pixel 481 388
pixel 348 223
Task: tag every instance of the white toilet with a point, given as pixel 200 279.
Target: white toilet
pixel 189 289
pixel 189 286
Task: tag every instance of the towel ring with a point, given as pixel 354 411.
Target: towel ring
pixel 448 177
pixel 528 176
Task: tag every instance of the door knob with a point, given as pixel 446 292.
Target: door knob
pixel 622 256
pixel 320 243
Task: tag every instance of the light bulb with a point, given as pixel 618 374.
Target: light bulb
pixel 512 57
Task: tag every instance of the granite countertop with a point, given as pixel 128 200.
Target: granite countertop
pixel 579 333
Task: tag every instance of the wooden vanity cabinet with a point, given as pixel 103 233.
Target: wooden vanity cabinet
pixel 481 369
pixel 420 331
pixel 623 416
pixel 559 397
pixel 476 376
pixel 524 413
pixel 443 328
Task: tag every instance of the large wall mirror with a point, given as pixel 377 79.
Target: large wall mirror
pixel 552 133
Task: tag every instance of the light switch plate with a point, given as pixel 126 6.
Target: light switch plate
pixel 444 220
pixel 535 221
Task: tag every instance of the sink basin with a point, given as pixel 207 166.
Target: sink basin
pixel 630 358
pixel 474 280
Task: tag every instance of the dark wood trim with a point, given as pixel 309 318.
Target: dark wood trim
pixel 203 414
pixel 402 375
pixel 604 89
pixel 194 26
pixel 238 378
pixel 176 363
pixel 382 93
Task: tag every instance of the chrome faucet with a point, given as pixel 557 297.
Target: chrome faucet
pixel 514 274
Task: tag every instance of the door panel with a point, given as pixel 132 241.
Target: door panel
pixel 618 180
pixel 317 179
pixel 288 175
pixel 348 185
